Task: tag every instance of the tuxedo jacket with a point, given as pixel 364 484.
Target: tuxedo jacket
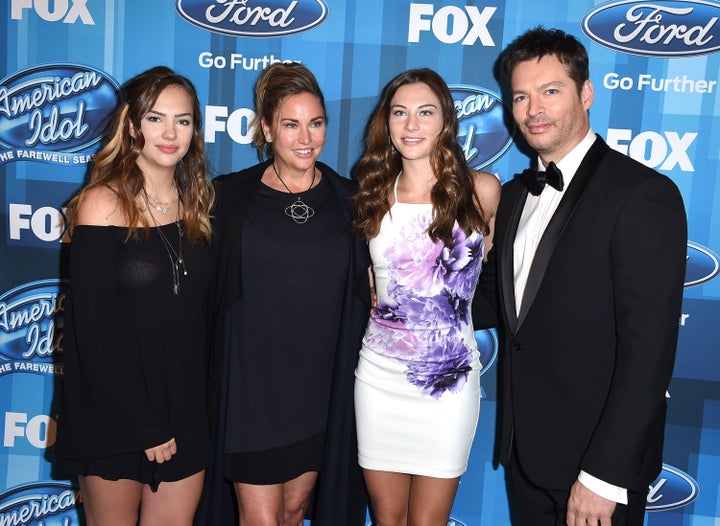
pixel 584 366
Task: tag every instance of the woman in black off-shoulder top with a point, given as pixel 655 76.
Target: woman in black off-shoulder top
pixel 133 426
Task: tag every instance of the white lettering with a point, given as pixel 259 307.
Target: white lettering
pixel 664 152
pixel 61 10
pixel 46 223
pixel 647 26
pixel 238 124
pixel 451 24
pixel 226 10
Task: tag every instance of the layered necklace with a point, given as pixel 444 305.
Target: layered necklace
pixel 162 207
pixel 177 262
pixel 298 211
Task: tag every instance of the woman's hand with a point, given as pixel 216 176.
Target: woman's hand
pixel 161 453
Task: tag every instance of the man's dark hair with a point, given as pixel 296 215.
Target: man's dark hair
pixel 540 42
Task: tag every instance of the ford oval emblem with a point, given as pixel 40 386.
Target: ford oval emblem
pixel 667 28
pixel 56 107
pixel 672 489
pixel 256 18
pixel 702 264
pixel 483 124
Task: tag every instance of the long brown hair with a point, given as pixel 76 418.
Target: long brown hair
pixel 116 167
pixel 453 194
pixel 276 83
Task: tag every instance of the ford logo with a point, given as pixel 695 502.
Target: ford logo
pixel 487 343
pixel 253 18
pixel 41 504
pixel 483 130
pixel 55 107
pixel 702 264
pixel 667 28
pixel 31 323
pixel 672 489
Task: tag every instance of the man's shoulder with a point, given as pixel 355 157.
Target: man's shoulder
pixel 624 171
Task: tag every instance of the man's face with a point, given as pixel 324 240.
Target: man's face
pixel 551 114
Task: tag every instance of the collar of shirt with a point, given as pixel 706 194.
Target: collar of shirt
pixel 537 213
pixel 569 164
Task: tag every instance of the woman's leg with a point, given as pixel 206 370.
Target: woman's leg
pixel 389 496
pixel 110 502
pixel 296 495
pixel 259 505
pixel 431 500
pixel 173 503
pixel 275 504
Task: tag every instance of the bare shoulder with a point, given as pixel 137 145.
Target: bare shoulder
pixel 487 188
pixel 99 205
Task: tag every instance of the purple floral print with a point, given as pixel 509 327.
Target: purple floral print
pixel 424 318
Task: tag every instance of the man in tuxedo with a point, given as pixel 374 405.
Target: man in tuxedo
pixel 587 274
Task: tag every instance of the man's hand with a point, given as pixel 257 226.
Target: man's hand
pixel 588 508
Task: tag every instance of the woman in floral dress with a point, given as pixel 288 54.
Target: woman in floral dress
pixel 428 219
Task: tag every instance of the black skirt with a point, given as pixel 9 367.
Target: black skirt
pixel 276 465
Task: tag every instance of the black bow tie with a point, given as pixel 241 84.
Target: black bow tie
pixel 536 180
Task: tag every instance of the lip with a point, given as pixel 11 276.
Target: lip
pixel 412 141
pixel 168 148
pixel 304 152
pixel 538 127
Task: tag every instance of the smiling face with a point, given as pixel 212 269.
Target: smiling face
pixel 415 121
pixel 167 129
pixel 297 133
pixel 551 114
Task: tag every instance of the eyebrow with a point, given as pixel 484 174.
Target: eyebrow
pixel 427 105
pixel 188 114
pixel 290 119
pixel 544 86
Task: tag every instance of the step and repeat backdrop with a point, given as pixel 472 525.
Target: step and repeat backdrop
pixel 655 66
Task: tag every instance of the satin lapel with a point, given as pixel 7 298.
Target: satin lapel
pixel 557 223
pixel 507 270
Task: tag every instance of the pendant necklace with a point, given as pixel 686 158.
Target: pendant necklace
pixel 298 211
pixel 176 258
pixel 159 205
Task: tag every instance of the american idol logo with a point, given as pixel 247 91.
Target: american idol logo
pixel 666 28
pixel 31 324
pixel 253 18
pixel 40 504
pixel 483 130
pixel 52 110
pixel 672 489
pixel 487 344
pixel 702 264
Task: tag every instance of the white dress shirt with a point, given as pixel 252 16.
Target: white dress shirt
pixel 535 217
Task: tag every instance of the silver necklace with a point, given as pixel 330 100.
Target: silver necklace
pixel 161 206
pixel 176 258
pixel 298 211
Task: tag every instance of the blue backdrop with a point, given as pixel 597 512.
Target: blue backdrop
pixel 655 69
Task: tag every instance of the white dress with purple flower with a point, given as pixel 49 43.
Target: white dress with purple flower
pixel 417 389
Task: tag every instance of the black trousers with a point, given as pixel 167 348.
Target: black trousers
pixel 531 505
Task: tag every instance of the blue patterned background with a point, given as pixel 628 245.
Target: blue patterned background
pixel 355 50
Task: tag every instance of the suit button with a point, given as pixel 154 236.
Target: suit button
pixel 517 347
